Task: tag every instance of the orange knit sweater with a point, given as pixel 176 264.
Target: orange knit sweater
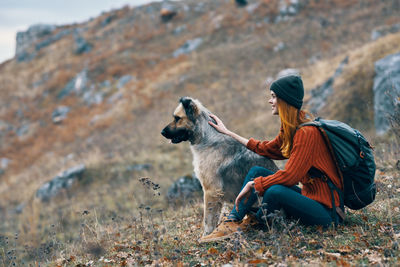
pixel 308 150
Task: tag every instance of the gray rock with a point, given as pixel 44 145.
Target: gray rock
pixel 4 162
pixel 386 91
pixel 105 84
pixel 184 188
pixel 200 7
pixel 178 30
pixel 81 45
pixel 287 9
pixel 188 47
pixel 279 47
pixel 124 80
pixel 253 7
pixel 44 78
pixel 107 20
pixel 23 130
pixel 78 85
pixel 62 181
pixel 92 97
pixel 115 97
pixel 384 30
pixel 320 94
pixel 18 209
pixel 52 39
pixel 60 114
pixel 25 40
pixel 25 56
pixel 287 72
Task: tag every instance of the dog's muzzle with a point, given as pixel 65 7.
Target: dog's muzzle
pixel 176 136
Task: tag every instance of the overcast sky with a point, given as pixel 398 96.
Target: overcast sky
pixel 18 15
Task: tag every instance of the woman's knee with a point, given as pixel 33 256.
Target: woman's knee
pixel 275 192
pixel 257 171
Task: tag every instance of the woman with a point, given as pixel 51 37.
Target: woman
pixel 304 148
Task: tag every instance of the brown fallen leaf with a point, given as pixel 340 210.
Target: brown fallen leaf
pixel 257 261
pixel 345 249
pixel 212 251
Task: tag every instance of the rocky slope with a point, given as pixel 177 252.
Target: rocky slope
pixel 101 91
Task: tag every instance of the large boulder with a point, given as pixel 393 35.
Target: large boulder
pixel 320 94
pixel 184 188
pixel 62 181
pixel 78 84
pixel 386 91
pixel 25 40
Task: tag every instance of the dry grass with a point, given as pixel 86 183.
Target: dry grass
pixel 103 218
pixel 125 229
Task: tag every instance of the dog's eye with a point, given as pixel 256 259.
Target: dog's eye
pixel 176 118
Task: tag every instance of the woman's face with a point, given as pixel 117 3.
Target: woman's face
pixel 274 103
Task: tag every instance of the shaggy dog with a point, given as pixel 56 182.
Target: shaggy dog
pixel 220 162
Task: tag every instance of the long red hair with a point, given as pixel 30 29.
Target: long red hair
pixel 291 118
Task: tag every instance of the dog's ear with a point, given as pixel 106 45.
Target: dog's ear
pixel 190 107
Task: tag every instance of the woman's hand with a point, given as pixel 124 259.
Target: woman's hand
pixel 220 127
pixel 246 191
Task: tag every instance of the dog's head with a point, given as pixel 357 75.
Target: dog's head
pixel 182 127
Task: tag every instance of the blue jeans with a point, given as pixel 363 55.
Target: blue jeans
pixel 276 197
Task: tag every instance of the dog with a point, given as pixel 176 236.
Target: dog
pixel 220 162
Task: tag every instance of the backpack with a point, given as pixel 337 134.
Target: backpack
pixel 354 161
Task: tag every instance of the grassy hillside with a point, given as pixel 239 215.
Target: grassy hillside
pixel 110 217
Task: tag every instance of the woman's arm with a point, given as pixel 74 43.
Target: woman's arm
pixel 270 149
pixel 220 127
pixel 301 159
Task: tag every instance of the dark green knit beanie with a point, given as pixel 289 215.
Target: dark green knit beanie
pixel 290 89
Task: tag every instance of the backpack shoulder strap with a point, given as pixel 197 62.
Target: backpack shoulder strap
pixel 316 122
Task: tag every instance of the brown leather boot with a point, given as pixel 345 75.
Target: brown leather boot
pixel 249 222
pixel 224 230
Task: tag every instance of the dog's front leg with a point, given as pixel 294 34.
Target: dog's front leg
pixel 213 201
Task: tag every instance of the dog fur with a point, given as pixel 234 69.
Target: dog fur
pixel 220 162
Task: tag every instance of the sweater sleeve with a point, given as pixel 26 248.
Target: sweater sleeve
pixel 270 149
pixel 297 166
